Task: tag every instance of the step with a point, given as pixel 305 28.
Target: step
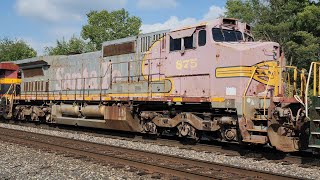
pixel 256 139
pixel 262 97
pixel 317 108
pixel 316 120
pixel 259 119
pixel 260 109
pixel 314 133
pixel 314 146
pixel 257 130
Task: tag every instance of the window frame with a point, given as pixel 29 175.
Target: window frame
pixel 182 43
pixel 172 42
pixel 205 37
pixel 223 34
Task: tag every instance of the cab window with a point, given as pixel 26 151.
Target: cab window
pixel 188 42
pixel 202 38
pixel 224 35
pixel 183 43
pixel 175 44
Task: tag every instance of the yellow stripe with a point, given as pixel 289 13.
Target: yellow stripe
pixel 177 99
pixel 144 61
pixel 109 97
pixel 233 72
pixel 217 99
pixel 10 81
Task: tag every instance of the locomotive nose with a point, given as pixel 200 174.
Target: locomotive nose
pixel 248 53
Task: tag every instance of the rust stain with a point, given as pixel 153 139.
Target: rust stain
pixel 118 49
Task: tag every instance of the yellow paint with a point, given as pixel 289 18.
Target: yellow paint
pixel 143 67
pixel 314 79
pixel 107 98
pixel 10 81
pixel 258 72
pixel 145 56
pixel 88 98
pixel 217 99
pixel 177 99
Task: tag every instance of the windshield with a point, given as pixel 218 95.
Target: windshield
pixel 221 35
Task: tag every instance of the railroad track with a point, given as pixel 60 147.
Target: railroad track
pixel 147 161
pixel 305 159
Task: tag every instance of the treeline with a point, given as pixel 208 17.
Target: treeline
pixel 101 26
pixel 15 49
pixel 295 24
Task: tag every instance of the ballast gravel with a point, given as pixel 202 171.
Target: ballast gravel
pixel 251 163
pixel 18 162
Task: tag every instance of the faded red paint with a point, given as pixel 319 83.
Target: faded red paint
pixel 10 70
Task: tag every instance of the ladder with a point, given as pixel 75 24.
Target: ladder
pixel 258 127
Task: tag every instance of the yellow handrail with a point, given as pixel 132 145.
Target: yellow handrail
pixel 295 75
pixel 313 67
pixel 266 94
pixel 245 92
pixel 314 79
pixel 289 84
pixel 319 81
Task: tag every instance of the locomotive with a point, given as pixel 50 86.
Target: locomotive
pixel 209 81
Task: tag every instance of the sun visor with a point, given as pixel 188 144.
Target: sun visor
pixel 182 33
pixel 33 64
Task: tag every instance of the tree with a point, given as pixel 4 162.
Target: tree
pixel 73 46
pixel 104 26
pixel 12 50
pixel 294 24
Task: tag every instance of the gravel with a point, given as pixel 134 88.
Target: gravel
pixel 251 163
pixel 18 162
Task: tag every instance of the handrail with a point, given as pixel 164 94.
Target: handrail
pixel 83 80
pixel 266 94
pixel 295 76
pixel 313 67
pixel 245 92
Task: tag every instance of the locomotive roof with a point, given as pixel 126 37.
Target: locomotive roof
pixel 40 59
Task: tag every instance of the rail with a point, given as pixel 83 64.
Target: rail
pixel 314 72
pixel 151 161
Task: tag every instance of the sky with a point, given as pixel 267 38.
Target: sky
pixel 41 22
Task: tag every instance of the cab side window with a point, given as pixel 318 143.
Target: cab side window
pixel 175 44
pixel 188 42
pixel 202 37
pixel 183 42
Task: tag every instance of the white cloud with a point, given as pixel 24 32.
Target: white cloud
pixel 171 23
pixel 174 22
pixel 157 4
pixel 63 10
pixel 214 12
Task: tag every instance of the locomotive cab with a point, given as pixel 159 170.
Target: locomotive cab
pixel 9 87
pixel 8 78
